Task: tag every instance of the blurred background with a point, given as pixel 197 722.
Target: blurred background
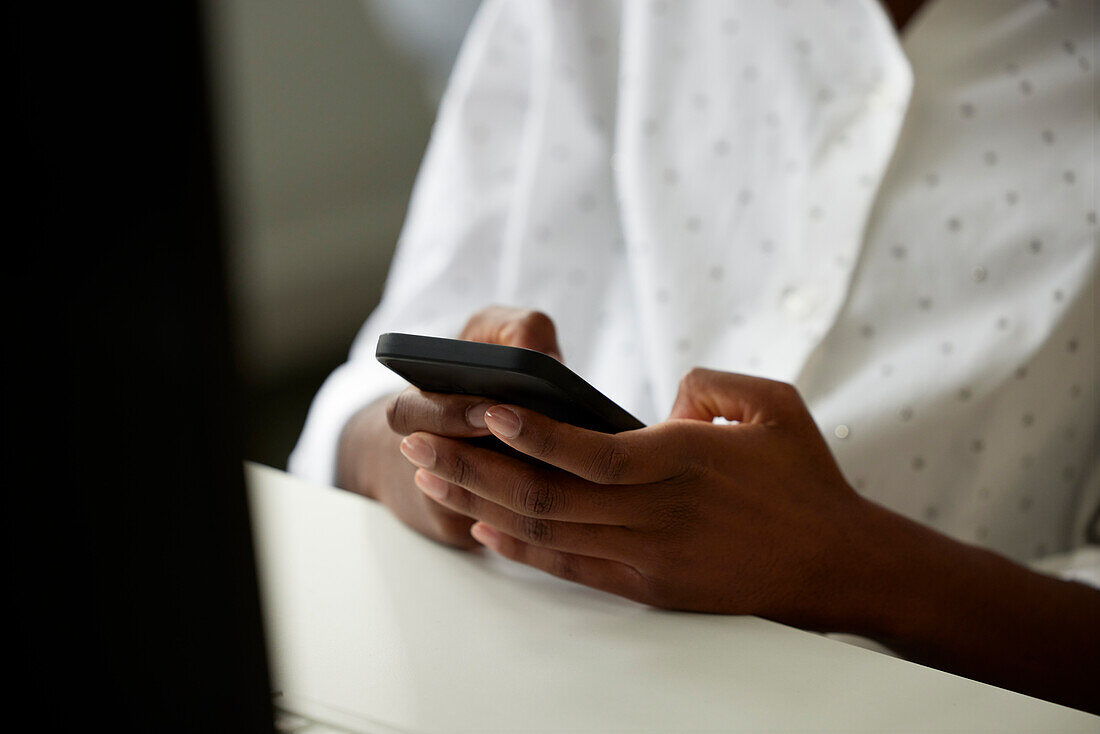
pixel 323 112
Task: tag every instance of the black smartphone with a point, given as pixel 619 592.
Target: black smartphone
pixel 510 375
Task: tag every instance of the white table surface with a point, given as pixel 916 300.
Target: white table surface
pixel 373 628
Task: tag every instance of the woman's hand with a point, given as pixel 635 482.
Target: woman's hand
pixel 755 518
pixel 369 460
pixel 747 518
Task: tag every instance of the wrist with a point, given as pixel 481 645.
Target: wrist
pixel 904 579
pixel 924 591
pixel 971 611
pixel 361 447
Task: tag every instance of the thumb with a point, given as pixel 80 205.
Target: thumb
pixel 514 327
pixel 708 394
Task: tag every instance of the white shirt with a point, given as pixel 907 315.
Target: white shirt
pixel 904 229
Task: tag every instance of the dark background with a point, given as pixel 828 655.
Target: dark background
pixel 131 587
pixel 205 200
pixel 323 113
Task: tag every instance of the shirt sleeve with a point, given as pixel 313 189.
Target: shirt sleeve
pixel 1082 562
pixel 446 264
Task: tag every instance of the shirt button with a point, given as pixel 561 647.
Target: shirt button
pixel 799 303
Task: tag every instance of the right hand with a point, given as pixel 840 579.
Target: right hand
pixel 369 457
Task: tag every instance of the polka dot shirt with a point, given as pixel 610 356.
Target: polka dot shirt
pixel 905 228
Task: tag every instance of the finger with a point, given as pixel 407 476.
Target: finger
pixel 599 573
pixel 514 327
pixel 446 525
pixel 631 457
pixel 531 491
pixel 601 541
pixel 708 394
pixel 413 410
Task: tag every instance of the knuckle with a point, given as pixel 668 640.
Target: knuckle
pixel 462 471
pixel 536 531
pixel 787 399
pixel 537 497
pixel 538 322
pixel 695 377
pixel 785 392
pixel 794 395
pixel 565 566
pixel 439 413
pixel 533 328
pixel 397 413
pixel 414 410
pixel 609 462
pixel 545 443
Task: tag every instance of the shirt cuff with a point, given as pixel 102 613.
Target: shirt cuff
pixel 349 388
pixel 1081 564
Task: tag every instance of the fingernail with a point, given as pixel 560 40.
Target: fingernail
pixel 418 451
pixel 475 414
pixel 503 421
pixel 485 534
pixel 431 485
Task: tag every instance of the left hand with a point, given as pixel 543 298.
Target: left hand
pixel 749 518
